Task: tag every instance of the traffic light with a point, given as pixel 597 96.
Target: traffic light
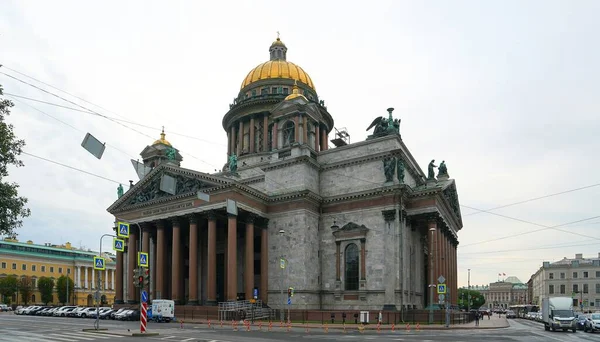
pixel 289 292
pixel 136 275
pixel 146 276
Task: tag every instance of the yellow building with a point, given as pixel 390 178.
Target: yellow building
pixel 28 259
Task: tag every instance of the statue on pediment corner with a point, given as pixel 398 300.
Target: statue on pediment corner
pixel 442 170
pixel 120 191
pixel 430 171
pixel 233 163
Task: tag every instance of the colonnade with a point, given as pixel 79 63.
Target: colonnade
pixel 85 278
pixel 173 286
pixel 239 145
pixel 442 247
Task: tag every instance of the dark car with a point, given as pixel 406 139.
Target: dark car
pixel 581 322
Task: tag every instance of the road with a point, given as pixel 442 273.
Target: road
pixel 57 329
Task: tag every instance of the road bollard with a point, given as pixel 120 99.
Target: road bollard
pixel 270 325
pixel 209 324
pixel 393 327
pixel 408 327
pixel 418 327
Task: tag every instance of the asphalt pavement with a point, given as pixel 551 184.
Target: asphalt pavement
pixel 60 329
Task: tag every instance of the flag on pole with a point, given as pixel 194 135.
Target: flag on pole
pixel 499 274
pixel 503 274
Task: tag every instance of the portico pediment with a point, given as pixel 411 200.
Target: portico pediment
pixel 451 196
pixel 147 191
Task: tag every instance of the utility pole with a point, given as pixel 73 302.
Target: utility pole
pixel 469 291
pixel 282 265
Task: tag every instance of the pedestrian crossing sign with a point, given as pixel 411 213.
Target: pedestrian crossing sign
pixel 123 230
pixel 441 288
pixel 119 245
pixel 142 259
pixel 99 263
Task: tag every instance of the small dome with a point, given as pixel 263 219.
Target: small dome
pixel 278 42
pixel 162 139
pixel 295 93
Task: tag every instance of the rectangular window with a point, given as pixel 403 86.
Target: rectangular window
pixel 575 288
pixel 264 91
pixel 60 270
pixel 43 268
pixel 51 269
pixel 597 274
pixel 598 288
pixel 574 275
pixel 24 267
pixel 285 91
pixel 585 274
pixel 274 90
pixel 14 266
pixel 33 268
pixel 551 289
pixel 551 276
pixel 562 275
pixel 562 289
pixel 585 288
pixel 68 271
pixel 3 265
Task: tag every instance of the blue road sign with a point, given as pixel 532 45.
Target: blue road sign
pixel 255 293
pixel 142 259
pixel 99 263
pixel 441 288
pixel 119 245
pixel 289 301
pixel 123 230
pixel 144 296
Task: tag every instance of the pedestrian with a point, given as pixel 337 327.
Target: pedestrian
pixel 489 313
pixel 477 319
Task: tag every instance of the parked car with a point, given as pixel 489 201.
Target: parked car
pixel 592 324
pixel 511 314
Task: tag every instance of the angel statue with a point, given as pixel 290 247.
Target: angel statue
pixel 380 124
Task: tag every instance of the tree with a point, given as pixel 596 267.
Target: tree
pixel 26 288
pixel 477 299
pixel 12 207
pixel 8 287
pixel 61 288
pixel 46 288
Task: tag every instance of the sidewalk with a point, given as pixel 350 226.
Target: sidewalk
pixel 494 322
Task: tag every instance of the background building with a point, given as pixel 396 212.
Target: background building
pixel 502 294
pixel 28 259
pixel 362 225
pixel 577 277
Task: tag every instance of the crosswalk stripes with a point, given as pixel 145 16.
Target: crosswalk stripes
pixel 53 336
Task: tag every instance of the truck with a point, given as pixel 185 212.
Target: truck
pixel 557 313
pixel 163 310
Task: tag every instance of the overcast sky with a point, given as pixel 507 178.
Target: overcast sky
pixel 505 92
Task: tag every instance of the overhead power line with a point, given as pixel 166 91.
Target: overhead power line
pixel 535 199
pixel 69 125
pixel 72 168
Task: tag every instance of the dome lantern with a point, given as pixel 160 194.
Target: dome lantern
pixel 278 50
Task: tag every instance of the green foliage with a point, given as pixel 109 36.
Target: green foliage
pixel 26 289
pixel 61 288
pixel 46 287
pixel 8 287
pixel 12 207
pixel 477 299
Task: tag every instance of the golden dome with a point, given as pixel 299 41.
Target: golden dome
pixel 295 93
pixel 278 69
pixel 162 139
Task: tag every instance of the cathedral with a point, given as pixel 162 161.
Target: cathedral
pixel 346 225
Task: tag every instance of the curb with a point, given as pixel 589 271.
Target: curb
pixel 105 331
pixel 386 328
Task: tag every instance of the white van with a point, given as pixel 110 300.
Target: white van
pixel 163 310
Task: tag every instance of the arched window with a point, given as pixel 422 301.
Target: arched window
pixel 33 298
pixel 351 274
pixel 288 133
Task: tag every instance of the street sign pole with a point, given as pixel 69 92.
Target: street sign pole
pixel 97 322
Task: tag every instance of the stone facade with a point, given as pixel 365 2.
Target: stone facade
pixel 577 277
pixel 350 237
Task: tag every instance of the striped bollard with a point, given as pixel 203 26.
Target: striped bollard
pixel 143 318
pixel 393 327
pixel 408 327
pixel 209 324
pixel 270 325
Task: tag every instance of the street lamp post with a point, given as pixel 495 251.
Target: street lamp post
pixel 431 286
pixel 282 267
pixel 469 292
pixel 97 321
